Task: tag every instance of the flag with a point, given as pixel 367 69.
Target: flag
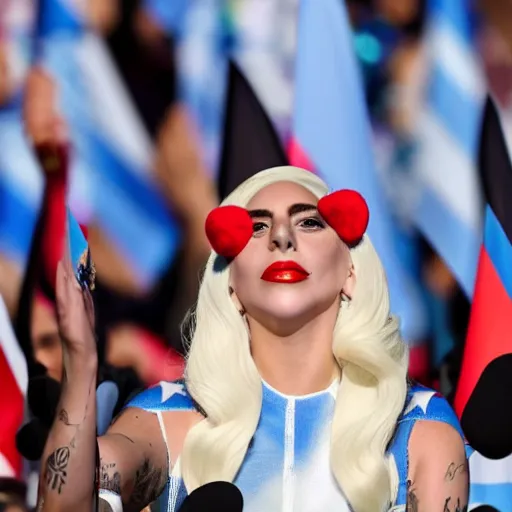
pixel 490 482
pixel 13 383
pixel 331 135
pixel 482 400
pixel 21 186
pixel 448 209
pixel 20 181
pixel 111 165
pixel 250 141
pixel 206 40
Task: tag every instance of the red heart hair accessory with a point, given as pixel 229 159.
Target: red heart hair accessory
pixel 347 213
pixel 228 229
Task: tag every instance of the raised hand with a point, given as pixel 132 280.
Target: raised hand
pixel 75 313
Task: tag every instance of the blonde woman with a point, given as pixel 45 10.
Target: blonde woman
pixel 295 386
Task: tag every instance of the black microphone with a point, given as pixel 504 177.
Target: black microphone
pixel 43 398
pixel 487 417
pixel 485 508
pixel 214 497
pixel 31 438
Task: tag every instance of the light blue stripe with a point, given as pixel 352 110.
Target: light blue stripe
pixel 311 417
pixel 499 249
pixel 77 243
pixel 455 14
pixel 459 113
pixel 265 456
pixel 496 495
pixel 17 223
pixel 331 124
pixel 455 242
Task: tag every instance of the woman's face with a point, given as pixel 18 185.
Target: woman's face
pixel 295 266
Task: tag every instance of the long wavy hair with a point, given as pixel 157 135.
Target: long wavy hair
pixel 222 377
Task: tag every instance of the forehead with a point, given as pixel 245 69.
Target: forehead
pixel 281 195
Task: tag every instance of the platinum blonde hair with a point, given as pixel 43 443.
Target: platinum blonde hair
pixel 222 377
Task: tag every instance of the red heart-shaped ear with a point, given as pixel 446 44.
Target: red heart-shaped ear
pixel 228 229
pixel 347 213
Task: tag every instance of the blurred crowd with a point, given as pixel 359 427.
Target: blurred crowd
pixel 159 80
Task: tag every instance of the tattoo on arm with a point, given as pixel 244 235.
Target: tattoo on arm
pixel 56 469
pixel 454 470
pixel 110 478
pixel 412 499
pixel 456 507
pixel 148 485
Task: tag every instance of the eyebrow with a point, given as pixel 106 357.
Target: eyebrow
pixel 293 210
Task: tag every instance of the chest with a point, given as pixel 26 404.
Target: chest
pixel 286 467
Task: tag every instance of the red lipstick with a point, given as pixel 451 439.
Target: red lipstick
pixel 284 272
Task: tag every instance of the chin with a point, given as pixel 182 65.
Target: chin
pixel 289 309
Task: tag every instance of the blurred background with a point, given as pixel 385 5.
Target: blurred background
pixel 144 114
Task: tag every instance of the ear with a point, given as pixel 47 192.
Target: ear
pixel 350 283
pixel 236 301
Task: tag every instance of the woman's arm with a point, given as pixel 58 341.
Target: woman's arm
pixel 133 461
pixel 438 469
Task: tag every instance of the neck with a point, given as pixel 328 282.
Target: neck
pixel 300 363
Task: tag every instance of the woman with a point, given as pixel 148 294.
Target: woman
pixel 295 385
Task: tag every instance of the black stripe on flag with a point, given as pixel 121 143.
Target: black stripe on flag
pixel 250 143
pixel 495 167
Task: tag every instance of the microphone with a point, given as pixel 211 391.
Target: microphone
pixel 43 397
pixel 485 508
pixel 214 497
pixel 487 417
pixel 31 438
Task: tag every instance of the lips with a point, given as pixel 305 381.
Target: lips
pixel 284 272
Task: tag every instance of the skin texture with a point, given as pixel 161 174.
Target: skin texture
pixel 291 325
pixel 302 237
pixel 438 470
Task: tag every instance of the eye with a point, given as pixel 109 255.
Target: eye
pixel 258 227
pixel 312 223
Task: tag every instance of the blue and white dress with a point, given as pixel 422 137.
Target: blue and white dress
pixel 286 468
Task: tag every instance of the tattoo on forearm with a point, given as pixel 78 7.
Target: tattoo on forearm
pixel 459 507
pixel 110 479
pixel 56 469
pixel 454 470
pixel 148 485
pixel 412 499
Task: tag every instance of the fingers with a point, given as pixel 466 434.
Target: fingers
pixel 68 294
pixel 89 306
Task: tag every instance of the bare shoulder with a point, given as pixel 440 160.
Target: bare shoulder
pixel 434 441
pixel 438 468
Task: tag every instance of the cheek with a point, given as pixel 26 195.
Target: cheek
pixel 247 267
pixel 332 266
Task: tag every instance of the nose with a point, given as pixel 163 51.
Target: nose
pixel 283 239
